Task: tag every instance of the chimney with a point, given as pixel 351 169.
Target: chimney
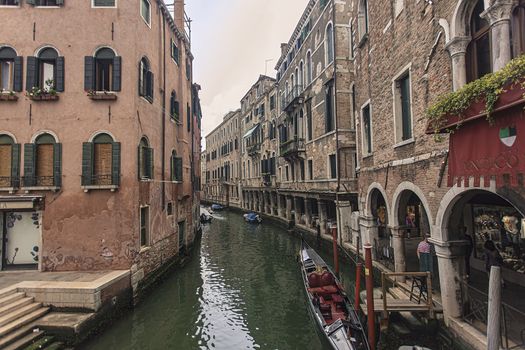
pixel 283 48
pixel 178 14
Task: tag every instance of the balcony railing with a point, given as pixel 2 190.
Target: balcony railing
pixel 292 98
pixel 39 181
pixel 254 149
pixel 292 147
pixel 8 182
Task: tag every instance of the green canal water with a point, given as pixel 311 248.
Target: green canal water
pixel 241 289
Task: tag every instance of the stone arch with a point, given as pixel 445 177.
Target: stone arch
pixel 96 133
pixel 455 194
pixel 42 132
pixel 368 204
pixel 459 26
pixel 409 186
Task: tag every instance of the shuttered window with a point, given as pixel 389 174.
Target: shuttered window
pixel 175 52
pixel 103 72
pixel 101 162
pixel 9 2
pixel 104 3
pixel 146 80
pixel 9 162
pixel 46 2
pixel 45 71
pixel 10 70
pixel 329 105
pixel 145 159
pixel 44 165
pixel 145 11
pixel 174 107
pixel 367 130
pixel 333 166
pixel 5 165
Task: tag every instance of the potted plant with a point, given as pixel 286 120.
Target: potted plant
pixel 48 93
pixel 8 95
pixel 101 95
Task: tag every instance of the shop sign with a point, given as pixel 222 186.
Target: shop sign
pixel 16 205
pixel 483 150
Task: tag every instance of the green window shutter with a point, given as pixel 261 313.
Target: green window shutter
pixel 139 163
pixel 405 108
pixel 89 73
pixel 31 2
pixel 115 166
pixel 149 85
pixel 172 168
pixel 188 118
pixel 149 163
pixel 59 74
pixel 15 165
pixel 117 73
pixel 178 169
pixel 57 164
pixel 60 2
pixel 87 163
pixel 32 73
pixel 29 164
pixel 19 73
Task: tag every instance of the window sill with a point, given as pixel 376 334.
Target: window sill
pixel 102 96
pixel 8 97
pixel 11 190
pixel 147 99
pixel 368 155
pixel 41 188
pixel 45 97
pixel 144 249
pixel 363 40
pixel 111 188
pixel 404 143
pixel 47 7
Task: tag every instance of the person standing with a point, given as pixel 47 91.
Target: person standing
pixel 424 255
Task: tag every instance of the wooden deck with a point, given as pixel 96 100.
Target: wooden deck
pixel 398 305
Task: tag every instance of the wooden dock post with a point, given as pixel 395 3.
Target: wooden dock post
pixel 370 296
pixel 494 309
pixel 359 269
pixel 336 255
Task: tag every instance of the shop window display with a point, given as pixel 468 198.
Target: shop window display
pixel 506 228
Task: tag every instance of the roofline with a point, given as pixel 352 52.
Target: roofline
pixel 178 33
pixel 237 111
pixel 297 30
pixel 261 77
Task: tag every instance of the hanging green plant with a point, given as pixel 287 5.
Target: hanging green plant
pixel 486 89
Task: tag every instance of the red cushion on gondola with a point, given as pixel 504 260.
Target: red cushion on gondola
pixel 314 280
pixel 327 279
pixel 324 291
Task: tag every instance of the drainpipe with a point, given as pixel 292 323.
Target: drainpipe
pixel 337 156
pixel 163 125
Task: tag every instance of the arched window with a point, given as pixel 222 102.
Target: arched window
pixel 362 19
pixel 9 162
pixel 101 162
pixel 46 71
pixel 145 79
pixel 145 159
pixel 329 44
pixel 42 162
pixel 308 68
pixel 518 29
pixel 102 71
pixel 10 70
pixel 479 61
pixel 174 107
pixel 301 75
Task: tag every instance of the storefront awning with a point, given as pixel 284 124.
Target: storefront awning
pixel 251 131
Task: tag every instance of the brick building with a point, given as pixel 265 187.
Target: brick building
pixel 223 162
pixel 99 135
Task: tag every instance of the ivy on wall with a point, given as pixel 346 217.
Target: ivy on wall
pixel 487 89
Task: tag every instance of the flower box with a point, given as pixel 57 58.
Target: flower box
pixel 44 97
pixel 8 97
pixel 103 96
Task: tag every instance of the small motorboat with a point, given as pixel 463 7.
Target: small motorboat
pixel 334 313
pixel 206 217
pixel 217 207
pixel 252 218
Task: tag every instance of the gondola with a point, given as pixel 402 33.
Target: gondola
pixel 252 218
pixel 217 207
pixel 206 216
pixel 330 306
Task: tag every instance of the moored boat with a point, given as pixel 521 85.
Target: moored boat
pixel 252 218
pixel 217 207
pixel 332 310
pixel 206 217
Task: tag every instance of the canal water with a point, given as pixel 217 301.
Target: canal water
pixel 241 289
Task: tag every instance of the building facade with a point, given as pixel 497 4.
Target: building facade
pixel 100 135
pixel 222 162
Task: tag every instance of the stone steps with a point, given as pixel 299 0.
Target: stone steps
pixel 11 298
pixel 8 292
pixel 26 340
pixel 13 306
pixel 22 321
pixel 18 313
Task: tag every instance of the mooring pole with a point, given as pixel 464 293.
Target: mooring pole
pixel 336 256
pixel 370 296
pixel 359 269
pixel 494 309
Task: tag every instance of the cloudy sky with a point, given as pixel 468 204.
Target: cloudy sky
pixel 231 41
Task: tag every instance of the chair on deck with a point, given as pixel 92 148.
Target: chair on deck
pixel 419 289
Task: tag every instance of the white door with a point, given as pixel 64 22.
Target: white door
pixel 23 238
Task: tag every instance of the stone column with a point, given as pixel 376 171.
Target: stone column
pixel 457 48
pixel 298 210
pixel 308 212
pixel 398 238
pixel 498 15
pixel 289 207
pixel 272 204
pixel 451 264
pixel 260 202
pixel 321 205
pixel 369 232
pixel 280 206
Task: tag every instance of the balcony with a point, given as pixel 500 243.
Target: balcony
pixel 254 150
pixel 43 183
pixel 292 148
pixel 292 99
pixel 8 182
